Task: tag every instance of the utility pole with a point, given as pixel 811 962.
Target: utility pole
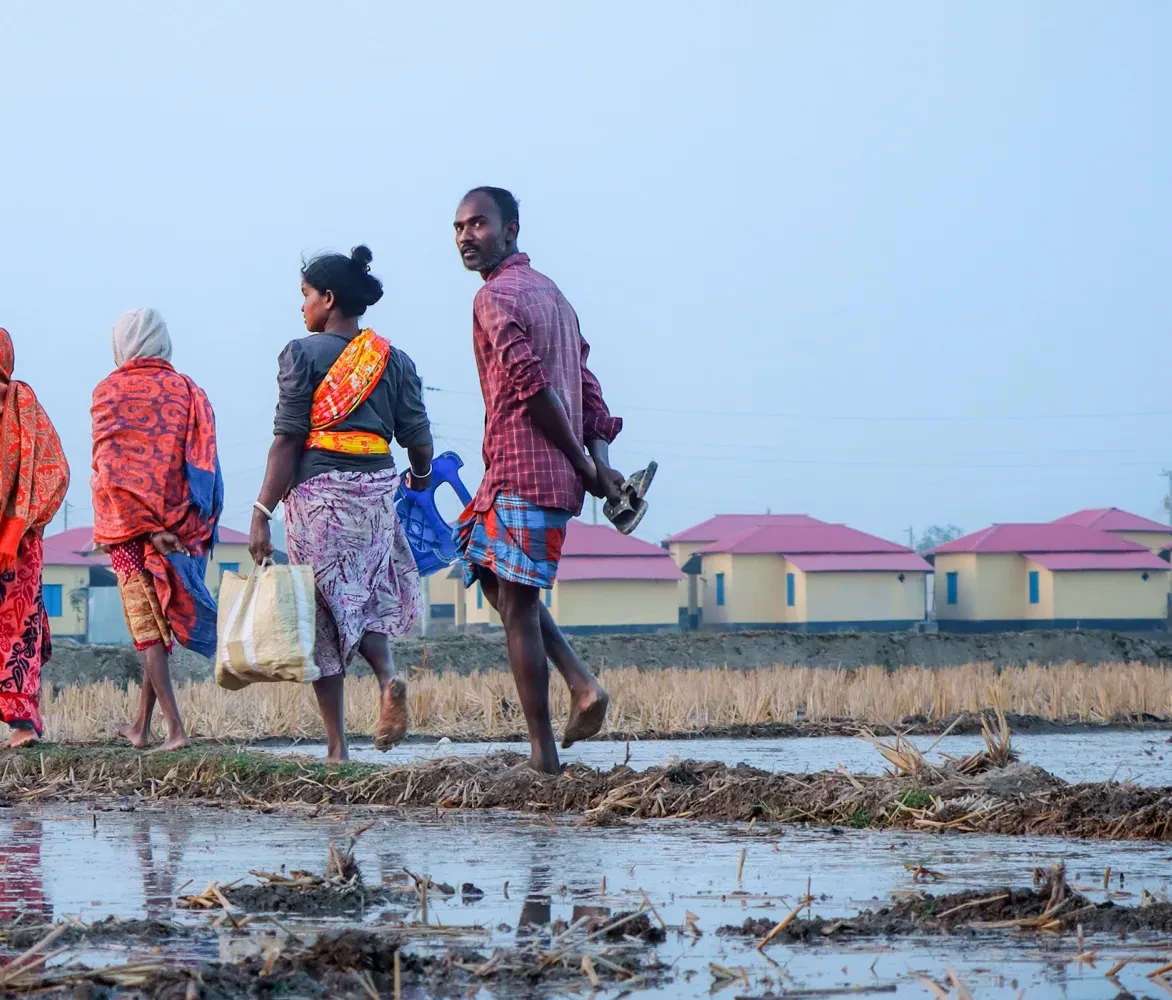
pixel 594 510
pixel 1168 498
pixel 911 538
pixel 65 507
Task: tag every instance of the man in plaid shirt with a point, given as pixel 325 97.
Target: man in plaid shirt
pixel 546 437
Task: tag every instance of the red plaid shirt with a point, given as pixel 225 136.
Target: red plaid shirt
pixel 526 338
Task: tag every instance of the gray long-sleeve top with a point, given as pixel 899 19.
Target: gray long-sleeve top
pixel 394 410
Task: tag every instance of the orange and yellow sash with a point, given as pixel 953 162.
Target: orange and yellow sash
pixel 347 385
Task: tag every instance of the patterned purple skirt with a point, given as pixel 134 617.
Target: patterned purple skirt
pixel 344 525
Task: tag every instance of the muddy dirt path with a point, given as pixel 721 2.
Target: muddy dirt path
pixel 969 796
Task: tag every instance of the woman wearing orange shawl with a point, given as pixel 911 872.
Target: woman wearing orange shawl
pixel 157 501
pixel 33 479
pixel 343 395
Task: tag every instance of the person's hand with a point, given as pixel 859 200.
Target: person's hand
pixel 166 543
pixel 611 481
pixel 260 538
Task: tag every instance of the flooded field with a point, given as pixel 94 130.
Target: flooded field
pixel 522 873
pixel 1141 756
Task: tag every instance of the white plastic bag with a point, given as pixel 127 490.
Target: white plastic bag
pixel 266 627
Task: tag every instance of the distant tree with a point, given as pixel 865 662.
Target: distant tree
pixel 937 534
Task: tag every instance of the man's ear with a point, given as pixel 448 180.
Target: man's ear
pixel 513 230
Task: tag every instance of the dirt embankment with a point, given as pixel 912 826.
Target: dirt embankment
pixel 964 797
pixel 76 664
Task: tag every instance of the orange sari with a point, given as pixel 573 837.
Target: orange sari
pixel 34 477
pixel 346 386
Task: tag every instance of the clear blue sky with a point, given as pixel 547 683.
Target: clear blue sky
pixel 890 264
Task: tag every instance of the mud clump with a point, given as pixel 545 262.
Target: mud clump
pixel 1052 907
pixel 629 925
pixel 347 965
pixel 20 936
pixel 318 901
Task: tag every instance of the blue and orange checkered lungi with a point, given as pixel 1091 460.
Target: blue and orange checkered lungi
pixel 515 540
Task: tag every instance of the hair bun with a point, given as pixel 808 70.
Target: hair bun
pixel 362 256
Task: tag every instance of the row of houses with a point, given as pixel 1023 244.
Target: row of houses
pixel 1102 568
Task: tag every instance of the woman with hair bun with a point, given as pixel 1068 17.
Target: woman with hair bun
pixel 343 394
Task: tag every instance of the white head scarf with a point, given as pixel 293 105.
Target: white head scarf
pixel 141 333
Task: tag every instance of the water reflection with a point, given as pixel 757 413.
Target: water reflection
pixel 159 876
pixel 22 888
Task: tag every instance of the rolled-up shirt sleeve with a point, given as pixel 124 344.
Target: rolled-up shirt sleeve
pixel 412 428
pixel 504 322
pixel 597 422
pixel 294 392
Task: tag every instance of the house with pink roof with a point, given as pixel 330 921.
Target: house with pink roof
pixel 80 592
pixel 1061 574
pixel 1135 528
pixel 793 571
pixel 606 582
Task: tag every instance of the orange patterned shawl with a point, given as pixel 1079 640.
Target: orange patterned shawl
pixel 350 380
pixel 34 474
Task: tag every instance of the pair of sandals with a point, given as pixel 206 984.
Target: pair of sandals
pixel 628 511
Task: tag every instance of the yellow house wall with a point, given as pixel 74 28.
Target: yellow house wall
pixel 1044 609
pixel 864 597
pixel 754 590
pixel 1157 541
pixel 70 579
pixel 990 587
pixel 1105 594
pixel 615 602
pixel 230 552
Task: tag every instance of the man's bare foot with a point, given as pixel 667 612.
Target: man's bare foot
pixel 134 735
pixel 392 716
pixel 174 743
pixel 337 757
pixel 586 717
pixel 22 738
pixel 545 765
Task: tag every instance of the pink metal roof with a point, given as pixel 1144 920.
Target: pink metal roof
pixel 230 536
pixel 621 568
pixel 1058 561
pixel 862 562
pixel 817 537
pixel 1113 519
pixel 723 525
pixel 66 548
pixel 584 539
pixel 1051 537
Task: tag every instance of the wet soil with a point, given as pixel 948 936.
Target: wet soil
pixel 1054 905
pixel 349 964
pixel 1017 799
pixel 317 901
pixel 22 935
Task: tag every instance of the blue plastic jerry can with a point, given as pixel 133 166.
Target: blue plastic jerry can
pixel 429 535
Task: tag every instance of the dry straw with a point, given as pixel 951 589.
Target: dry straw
pixel 644 703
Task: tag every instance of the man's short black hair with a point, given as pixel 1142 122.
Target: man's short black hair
pixel 505 202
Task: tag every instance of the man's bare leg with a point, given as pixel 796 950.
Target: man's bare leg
pixel 333 713
pixel 157 671
pixel 588 700
pixel 392 715
pixel 138 732
pixel 518 606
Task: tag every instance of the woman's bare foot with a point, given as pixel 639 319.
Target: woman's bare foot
pixel 586 716
pixel 22 738
pixel 392 716
pixel 174 743
pixel 337 756
pixel 134 735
